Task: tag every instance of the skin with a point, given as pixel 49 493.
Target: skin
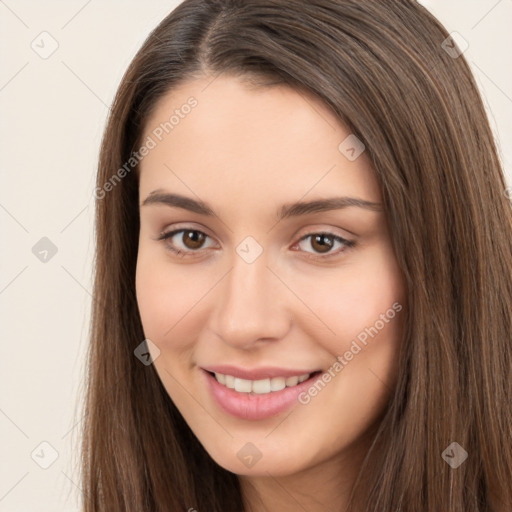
pixel 246 151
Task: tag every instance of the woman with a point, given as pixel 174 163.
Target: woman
pixel 303 294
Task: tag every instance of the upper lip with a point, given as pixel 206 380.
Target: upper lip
pixel 264 372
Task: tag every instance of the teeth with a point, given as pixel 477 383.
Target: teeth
pixel 292 381
pixel 230 381
pixel 243 386
pixel 260 387
pixel 277 383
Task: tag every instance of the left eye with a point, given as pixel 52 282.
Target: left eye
pixel 193 240
pixel 322 243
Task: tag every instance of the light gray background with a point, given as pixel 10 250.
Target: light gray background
pixel 53 112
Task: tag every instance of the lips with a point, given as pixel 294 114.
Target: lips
pixel 259 403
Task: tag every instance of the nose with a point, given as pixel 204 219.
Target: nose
pixel 250 305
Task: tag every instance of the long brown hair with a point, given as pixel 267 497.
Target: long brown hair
pixel 384 70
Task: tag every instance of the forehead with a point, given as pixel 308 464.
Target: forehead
pixel 220 137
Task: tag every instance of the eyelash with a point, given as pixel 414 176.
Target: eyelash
pixel 347 243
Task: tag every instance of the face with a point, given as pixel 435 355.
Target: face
pixel 274 328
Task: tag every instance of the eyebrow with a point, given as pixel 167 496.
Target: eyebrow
pixel 286 211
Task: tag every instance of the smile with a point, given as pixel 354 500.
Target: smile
pixel 267 394
pixel 262 386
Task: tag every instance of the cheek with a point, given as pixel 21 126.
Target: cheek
pixel 368 304
pixel 159 305
pixel 363 294
pixel 169 299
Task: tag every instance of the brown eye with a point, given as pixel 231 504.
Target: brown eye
pixel 193 239
pixel 184 242
pixel 322 243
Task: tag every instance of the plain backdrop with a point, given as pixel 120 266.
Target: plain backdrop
pixel 53 112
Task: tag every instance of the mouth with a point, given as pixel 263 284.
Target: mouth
pixel 257 399
pixel 261 386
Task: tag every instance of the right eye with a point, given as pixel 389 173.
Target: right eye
pixel 192 240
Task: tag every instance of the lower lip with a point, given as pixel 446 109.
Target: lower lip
pixel 251 406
